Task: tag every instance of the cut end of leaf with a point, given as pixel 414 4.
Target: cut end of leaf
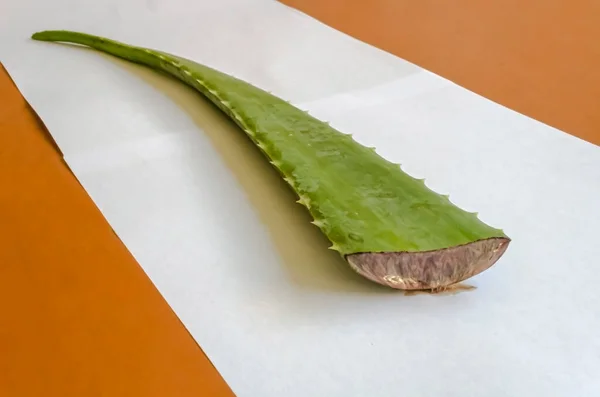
pixel 430 270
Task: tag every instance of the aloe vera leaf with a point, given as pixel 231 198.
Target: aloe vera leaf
pixel 390 227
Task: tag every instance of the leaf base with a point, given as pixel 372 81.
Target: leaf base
pixel 430 270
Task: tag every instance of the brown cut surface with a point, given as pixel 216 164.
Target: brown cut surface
pixel 538 57
pixel 429 270
pixel 79 316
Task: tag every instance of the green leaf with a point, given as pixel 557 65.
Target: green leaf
pixel 388 225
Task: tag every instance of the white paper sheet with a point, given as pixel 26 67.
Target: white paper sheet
pixel 221 237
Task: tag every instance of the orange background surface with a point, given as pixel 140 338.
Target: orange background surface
pixel 80 317
pixel 538 57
